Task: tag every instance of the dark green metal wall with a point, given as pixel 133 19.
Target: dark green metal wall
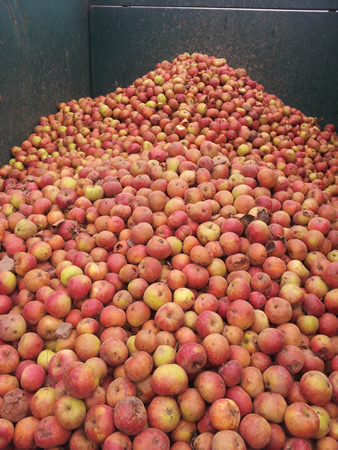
pixel 44 60
pixel 48 55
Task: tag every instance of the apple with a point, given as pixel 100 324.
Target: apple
pixel 191 404
pixel 252 381
pixel 164 354
pixel 24 432
pixel 49 433
pixel 233 439
pixel 224 414
pixel 169 317
pixel 12 327
pixel 113 352
pixel 69 411
pixel 241 398
pixel 316 387
pixel 59 362
pixel 271 406
pixel 278 379
pixel 7 432
pixel 270 341
pixel 130 416
pixel 99 423
pixel 192 357
pixel 324 421
pixel 163 413
pixel 151 438
pixel 156 295
pixel 79 440
pixel 138 366
pixel 9 358
pixel 15 405
pixel 33 377
pixel 210 385
pixel 169 379
pixel 80 380
pixel 42 402
pixel 255 430
pixel 301 420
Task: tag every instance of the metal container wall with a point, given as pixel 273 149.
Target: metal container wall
pixel 44 60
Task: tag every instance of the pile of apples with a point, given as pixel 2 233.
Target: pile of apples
pixel 169 270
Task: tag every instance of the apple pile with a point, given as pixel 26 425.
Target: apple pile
pixel 169 270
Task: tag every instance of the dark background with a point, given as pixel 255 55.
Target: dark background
pixel 56 50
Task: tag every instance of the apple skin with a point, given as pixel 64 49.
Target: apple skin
pixel 333 379
pixel 42 402
pixel 118 389
pixel 163 413
pixel 169 317
pixel 169 379
pixel 252 381
pixel 59 362
pixel 216 341
pixel 203 440
pixel 49 433
pixel 30 345
pixel 79 440
pixel 156 295
pixel 70 412
pixel 192 406
pixel 271 406
pixel 192 357
pixel 316 387
pixel 24 432
pixel 231 372
pixel 301 420
pixel 6 432
pixel 130 416
pixel 270 341
pixel 241 398
pixel 241 314
pixel 12 327
pixel 224 414
pixel 151 438
pixel 197 276
pixel 138 366
pixel 79 286
pixel 278 379
pixel 164 354
pixel 58 304
pixel 113 351
pixel 33 377
pixel 292 358
pixel 209 322
pixel 278 437
pixel 210 385
pixel 99 423
pixel 80 380
pixel 324 421
pixel 9 359
pixel 255 430
pixel 24 262
pixel 232 438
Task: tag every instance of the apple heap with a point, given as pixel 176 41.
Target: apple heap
pixel 169 270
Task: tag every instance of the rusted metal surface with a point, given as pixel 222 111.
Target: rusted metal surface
pixel 293 54
pixel 44 59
